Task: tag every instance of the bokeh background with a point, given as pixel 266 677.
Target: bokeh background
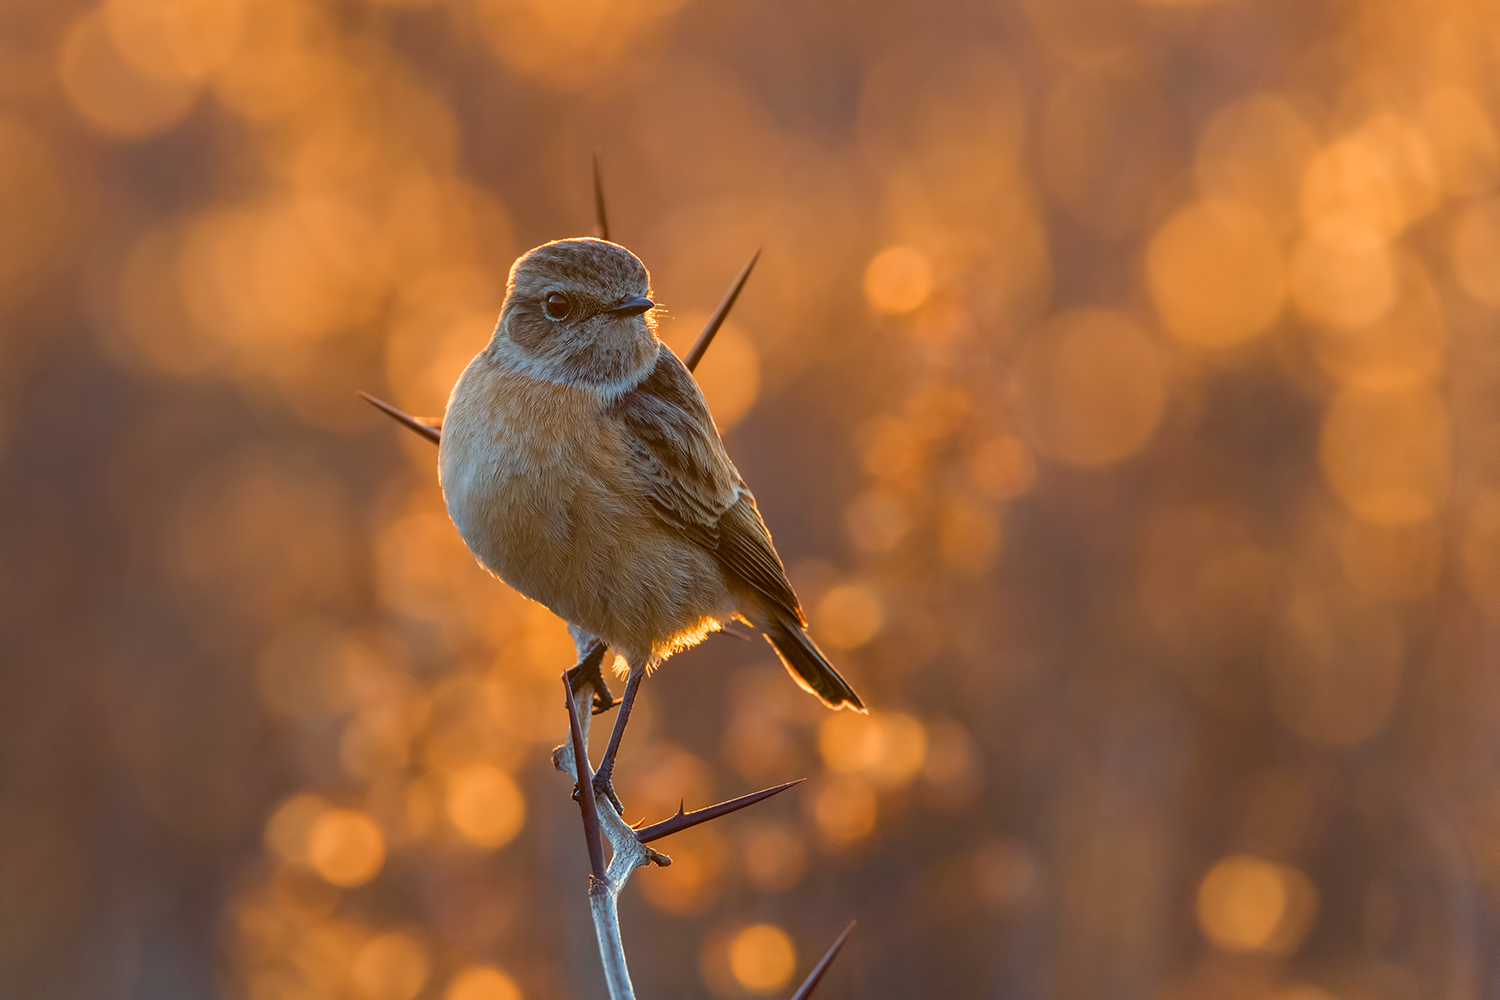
pixel 1121 381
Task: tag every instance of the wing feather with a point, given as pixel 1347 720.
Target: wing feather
pixel 745 550
pixel 691 485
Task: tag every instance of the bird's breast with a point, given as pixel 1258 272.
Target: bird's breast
pixel 531 477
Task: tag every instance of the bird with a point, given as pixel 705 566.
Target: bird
pixel 580 464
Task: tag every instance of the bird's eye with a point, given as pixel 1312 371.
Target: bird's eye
pixel 556 305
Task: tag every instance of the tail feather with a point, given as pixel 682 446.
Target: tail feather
pixel 809 667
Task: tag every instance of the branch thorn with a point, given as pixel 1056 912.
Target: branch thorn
pixel 601 221
pixel 430 429
pixel 816 975
pixel 683 821
pixel 720 314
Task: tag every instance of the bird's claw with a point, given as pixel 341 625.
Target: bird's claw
pixel 589 673
pixel 604 787
pixel 604 698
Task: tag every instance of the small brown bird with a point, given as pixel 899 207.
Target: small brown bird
pixel 581 466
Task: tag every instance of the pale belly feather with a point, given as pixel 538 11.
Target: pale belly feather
pixel 545 501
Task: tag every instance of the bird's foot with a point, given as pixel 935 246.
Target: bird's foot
pixel 604 787
pixel 604 698
pixel 589 673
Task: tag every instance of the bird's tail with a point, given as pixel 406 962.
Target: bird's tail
pixel 809 667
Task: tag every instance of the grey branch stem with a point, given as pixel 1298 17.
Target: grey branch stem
pixel 626 852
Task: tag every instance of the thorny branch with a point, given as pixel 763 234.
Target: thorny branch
pixel 628 850
pixel 585 778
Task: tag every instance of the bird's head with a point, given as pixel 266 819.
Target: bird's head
pixel 578 312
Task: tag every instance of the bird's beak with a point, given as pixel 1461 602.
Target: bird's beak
pixel 633 306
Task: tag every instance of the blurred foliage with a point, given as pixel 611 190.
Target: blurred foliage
pixel 1119 380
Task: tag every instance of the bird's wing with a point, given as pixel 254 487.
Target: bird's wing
pixel 691 485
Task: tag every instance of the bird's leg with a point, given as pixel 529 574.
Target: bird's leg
pixel 589 673
pixel 602 783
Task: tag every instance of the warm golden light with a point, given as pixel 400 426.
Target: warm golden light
pixel 1381 176
pixel 286 836
pixel 662 775
pixel 1241 901
pixel 1342 275
pixel 1216 274
pixel 898 280
pixel 234 511
pixel 775 858
pixel 845 811
pixel 893 450
pixel 1462 139
pixel 877 520
pixel 757 745
pixel 1475 245
pixel 1104 144
pixel 762 958
pixel 1388 454
pixel 465 732
pixel 690 886
pixel 176 39
pixel 314 267
pixel 1247 904
pixel 568 47
pixel 1399 562
pixel 109 92
pixel 390 967
pixel 1254 151
pixel 345 847
pixel 482 982
pixel 903 749
pixel 420 565
pixel 849 616
pixel 485 806
pixel 439 321
pixel 969 535
pixel 1003 467
pixel 850 742
pixel 1407 345
pixel 1119 379
pixel 1092 387
pixel 888 747
pixel 33 200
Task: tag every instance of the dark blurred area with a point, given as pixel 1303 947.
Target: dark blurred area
pixel 1120 380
